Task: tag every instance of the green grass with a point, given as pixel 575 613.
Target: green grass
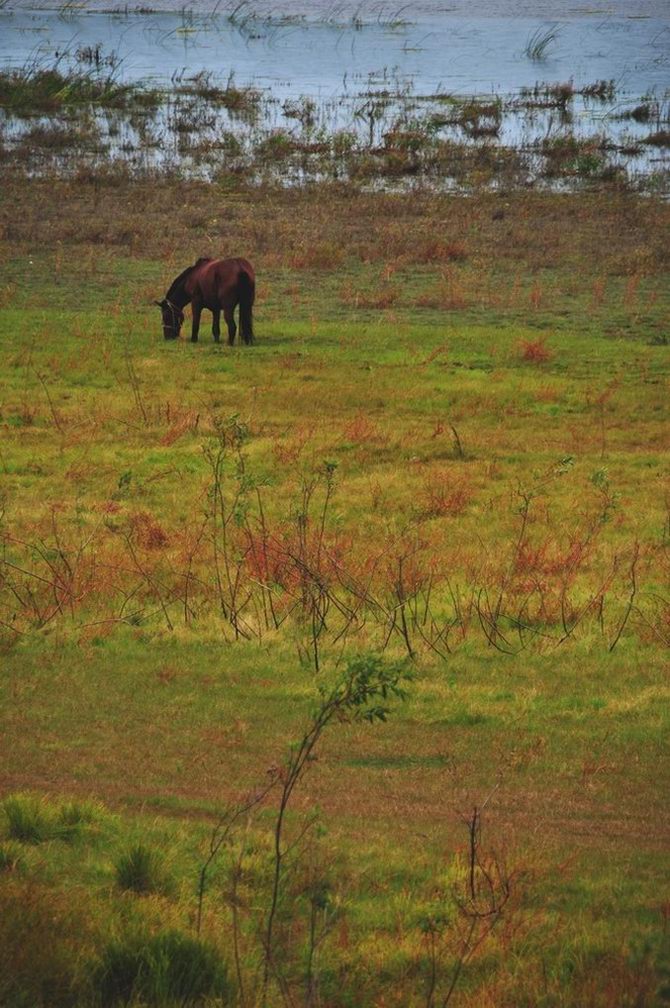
pixel 120 688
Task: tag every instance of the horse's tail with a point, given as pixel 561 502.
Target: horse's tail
pixel 246 286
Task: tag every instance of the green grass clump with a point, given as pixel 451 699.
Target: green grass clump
pixel 29 820
pixel 34 821
pixel 73 814
pixel 169 968
pixel 141 870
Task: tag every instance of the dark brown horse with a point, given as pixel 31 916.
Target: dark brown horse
pixel 216 284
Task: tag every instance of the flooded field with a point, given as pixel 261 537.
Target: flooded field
pixel 539 74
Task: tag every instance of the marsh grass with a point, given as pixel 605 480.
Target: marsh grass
pixel 385 135
pixel 659 139
pixel 243 103
pixel 540 42
pixel 35 88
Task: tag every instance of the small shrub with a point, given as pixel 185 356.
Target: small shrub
pixel 141 870
pixel 443 495
pixel 148 533
pixel 535 351
pixel 437 250
pixel 167 968
pixel 361 430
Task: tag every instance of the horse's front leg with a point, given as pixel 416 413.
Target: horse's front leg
pixel 230 322
pixel 216 324
pixel 196 308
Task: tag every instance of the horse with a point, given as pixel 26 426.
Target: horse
pixel 214 284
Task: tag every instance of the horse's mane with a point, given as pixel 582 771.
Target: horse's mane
pixel 179 281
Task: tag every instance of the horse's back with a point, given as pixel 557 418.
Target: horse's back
pixel 219 280
pixel 231 269
pixel 227 270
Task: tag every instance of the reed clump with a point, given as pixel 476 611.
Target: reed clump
pixel 35 88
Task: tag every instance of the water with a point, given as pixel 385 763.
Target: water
pixel 339 53
pixel 324 49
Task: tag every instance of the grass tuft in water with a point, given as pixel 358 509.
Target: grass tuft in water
pixel 33 88
pixel 540 42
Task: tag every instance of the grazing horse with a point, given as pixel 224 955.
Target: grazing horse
pixel 215 284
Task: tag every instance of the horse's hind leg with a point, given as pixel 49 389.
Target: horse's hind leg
pixel 216 325
pixel 230 322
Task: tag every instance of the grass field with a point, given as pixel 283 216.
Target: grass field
pixel 445 458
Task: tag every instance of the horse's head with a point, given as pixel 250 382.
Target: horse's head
pixel 172 318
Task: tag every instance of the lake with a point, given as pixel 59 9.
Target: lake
pixel 325 49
